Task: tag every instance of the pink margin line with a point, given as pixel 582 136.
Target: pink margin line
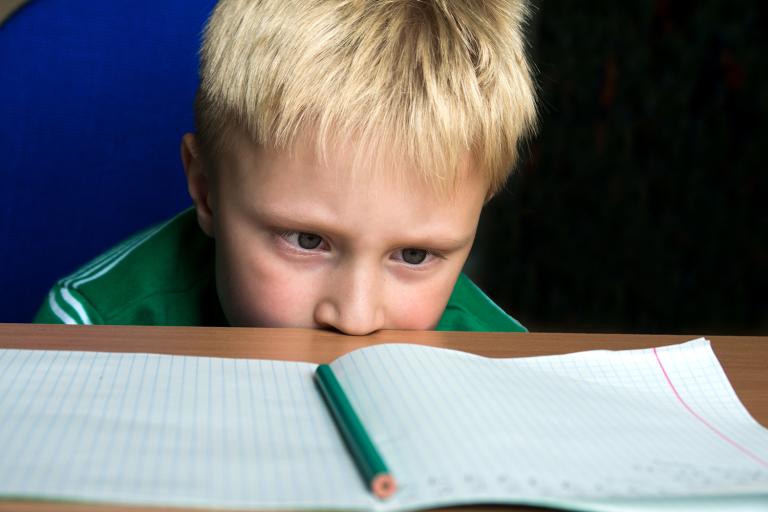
pixel 705 422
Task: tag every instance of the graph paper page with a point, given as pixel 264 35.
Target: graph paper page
pixel 559 430
pixel 169 430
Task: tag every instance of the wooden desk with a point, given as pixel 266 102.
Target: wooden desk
pixel 745 359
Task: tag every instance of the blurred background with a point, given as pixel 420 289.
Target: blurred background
pixel 639 206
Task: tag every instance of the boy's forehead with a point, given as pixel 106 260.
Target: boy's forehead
pixel 245 160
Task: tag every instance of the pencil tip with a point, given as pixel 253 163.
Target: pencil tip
pixel 383 486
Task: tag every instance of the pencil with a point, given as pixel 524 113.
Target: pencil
pixel 368 460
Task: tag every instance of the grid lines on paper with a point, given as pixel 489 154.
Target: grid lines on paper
pixel 32 439
pixel 147 429
pixel 694 378
pixel 383 420
pixel 16 399
pixel 336 487
pixel 92 441
pixel 391 417
pixel 70 443
pixel 587 424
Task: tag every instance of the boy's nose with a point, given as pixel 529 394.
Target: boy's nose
pixel 352 303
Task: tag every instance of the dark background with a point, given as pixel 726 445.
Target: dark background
pixel 638 207
pixel 641 204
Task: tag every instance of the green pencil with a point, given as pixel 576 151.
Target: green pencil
pixel 375 473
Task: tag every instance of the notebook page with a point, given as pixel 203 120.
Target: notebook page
pixel 169 430
pixel 457 428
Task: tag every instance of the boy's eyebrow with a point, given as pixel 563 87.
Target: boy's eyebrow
pixel 297 222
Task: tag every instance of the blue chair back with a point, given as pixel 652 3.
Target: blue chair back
pixel 94 99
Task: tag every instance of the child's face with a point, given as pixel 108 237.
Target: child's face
pixel 301 244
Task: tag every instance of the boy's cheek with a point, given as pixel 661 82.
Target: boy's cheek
pixel 422 313
pixel 417 318
pixel 264 306
pixel 419 307
pixel 260 295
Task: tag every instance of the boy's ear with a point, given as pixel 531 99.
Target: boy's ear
pixel 198 183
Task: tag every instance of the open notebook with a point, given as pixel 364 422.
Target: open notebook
pixel 656 429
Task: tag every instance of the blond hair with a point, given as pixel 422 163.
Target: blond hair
pixel 426 81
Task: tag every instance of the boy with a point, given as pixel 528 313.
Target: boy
pixel 343 153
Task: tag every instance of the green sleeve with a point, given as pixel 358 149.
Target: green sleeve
pixel 64 305
pixel 469 309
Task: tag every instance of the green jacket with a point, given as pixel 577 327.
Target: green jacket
pixel 165 276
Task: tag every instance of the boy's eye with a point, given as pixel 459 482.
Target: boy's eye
pixel 414 256
pixel 309 240
pixel 304 241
